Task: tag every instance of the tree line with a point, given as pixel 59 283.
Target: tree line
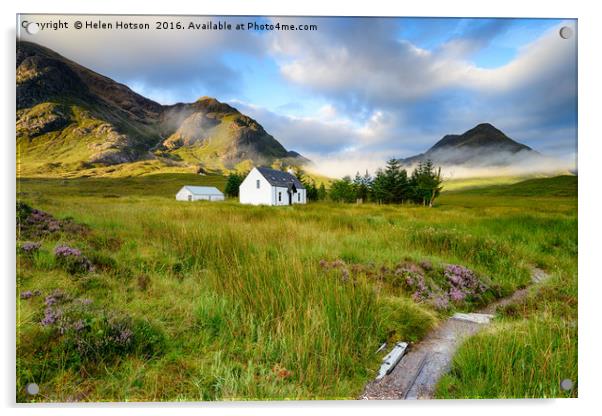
pixel 391 185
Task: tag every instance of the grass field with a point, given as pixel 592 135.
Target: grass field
pixel 219 301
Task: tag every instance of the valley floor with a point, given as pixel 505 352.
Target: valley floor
pixel 177 301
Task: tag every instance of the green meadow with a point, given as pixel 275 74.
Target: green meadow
pixel 221 301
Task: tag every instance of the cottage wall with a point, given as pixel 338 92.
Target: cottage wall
pixel 300 197
pixel 183 194
pixel 249 194
pixel 207 198
pixel 267 194
pixel 283 196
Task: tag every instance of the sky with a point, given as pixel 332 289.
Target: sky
pixel 356 91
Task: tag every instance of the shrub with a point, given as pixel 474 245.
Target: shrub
pixel 26 295
pixel 30 248
pixel 72 260
pixel 89 334
pixel 34 223
pixel 463 283
pixel 439 287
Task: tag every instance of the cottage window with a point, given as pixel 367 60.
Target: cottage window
pixel 299 197
pixel 258 183
pixel 279 196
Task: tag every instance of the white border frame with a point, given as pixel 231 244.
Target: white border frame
pixel 590 151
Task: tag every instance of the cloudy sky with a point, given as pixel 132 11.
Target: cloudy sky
pixel 356 91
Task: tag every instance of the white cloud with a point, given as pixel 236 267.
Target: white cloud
pixel 184 63
pixel 383 70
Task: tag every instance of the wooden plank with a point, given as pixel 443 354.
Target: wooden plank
pixel 477 318
pixel 392 359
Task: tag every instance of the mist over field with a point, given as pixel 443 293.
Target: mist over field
pixel 482 164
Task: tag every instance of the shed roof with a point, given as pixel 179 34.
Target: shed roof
pixel 280 178
pixel 203 190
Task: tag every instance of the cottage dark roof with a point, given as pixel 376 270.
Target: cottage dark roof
pixel 279 178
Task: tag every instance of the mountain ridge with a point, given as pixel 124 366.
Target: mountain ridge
pixel 481 145
pixel 72 119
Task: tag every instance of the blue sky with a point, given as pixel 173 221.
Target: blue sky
pixel 359 90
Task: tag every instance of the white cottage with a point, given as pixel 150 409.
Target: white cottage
pixel 199 193
pixel 265 186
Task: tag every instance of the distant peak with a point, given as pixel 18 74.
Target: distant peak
pixel 483 134
pixel 206 98
pixel 485 127
pixel 210 104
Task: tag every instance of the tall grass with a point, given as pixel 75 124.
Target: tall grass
pixel 527 358
pixel 246 309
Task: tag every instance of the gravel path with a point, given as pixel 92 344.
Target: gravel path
pixel 418 372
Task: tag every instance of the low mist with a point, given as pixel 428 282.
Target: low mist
pixel 455 164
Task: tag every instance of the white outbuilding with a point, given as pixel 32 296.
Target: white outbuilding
pixel 265 186
pixel 199 193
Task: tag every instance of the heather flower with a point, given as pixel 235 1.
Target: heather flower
pixel 35 223
pixel 426 265
pixel 72 259
pixel 50 300
pixel 79 325
pixel 417 296
pixel 26 295
pixel 413 280
pixel 66 251
pixel 454 279
pixel 30 248
pixel 54 297
pixel 51 316
pixel 463 282
pixel 338 263
pixel 124 336
pixel 456 294
pixel 408 267
pixel 439 302
pixel 345 275
pixel 87 334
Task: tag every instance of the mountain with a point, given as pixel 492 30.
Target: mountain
pixel 72 120
pixel 207 129
pixel 483 145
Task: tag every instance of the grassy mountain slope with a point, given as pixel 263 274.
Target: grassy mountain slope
pixel 216 135
pixel 68 115
pixel 72 121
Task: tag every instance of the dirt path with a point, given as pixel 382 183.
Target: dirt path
pixel 417 374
